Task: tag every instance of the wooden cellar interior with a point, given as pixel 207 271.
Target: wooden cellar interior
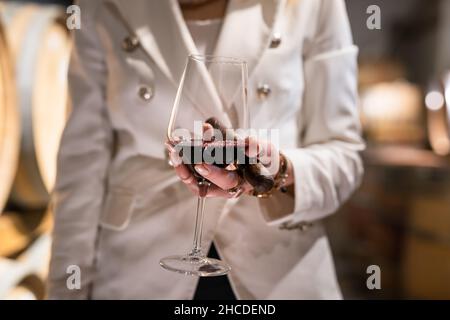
pixel 399 219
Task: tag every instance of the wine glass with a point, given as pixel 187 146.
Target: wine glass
pixel 212 90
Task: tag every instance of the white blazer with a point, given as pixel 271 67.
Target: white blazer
pixel 119 206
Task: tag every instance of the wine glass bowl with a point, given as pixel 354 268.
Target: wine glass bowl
pixel 211 96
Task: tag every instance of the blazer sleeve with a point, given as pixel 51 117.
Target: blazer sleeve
pixel 327 166
pixel 83 160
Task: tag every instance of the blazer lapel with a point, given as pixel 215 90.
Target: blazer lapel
pixel 159 33
pixel 247 29
pixel 246 33
pixel 164 36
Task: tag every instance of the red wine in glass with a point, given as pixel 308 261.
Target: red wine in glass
pixel 228 154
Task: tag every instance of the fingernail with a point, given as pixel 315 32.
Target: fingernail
pixel 188 180
pixel 175 159
pixel 203 170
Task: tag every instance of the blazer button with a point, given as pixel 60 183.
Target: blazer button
pixel 263 91
pixel 130 43
pixel 146 93
pixel 276 40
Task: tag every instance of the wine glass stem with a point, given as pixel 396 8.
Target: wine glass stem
pixel 197 245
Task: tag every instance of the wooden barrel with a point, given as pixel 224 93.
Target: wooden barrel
pixel 40 46
pixel 29 270
pixel 9 122
pixel 20 292
pixel 18 231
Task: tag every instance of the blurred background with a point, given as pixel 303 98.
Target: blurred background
pixel 400 217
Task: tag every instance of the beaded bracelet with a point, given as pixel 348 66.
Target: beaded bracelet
pixel 282 175
pixel 279 179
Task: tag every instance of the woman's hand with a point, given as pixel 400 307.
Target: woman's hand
pixel 221 180
pixel 226 183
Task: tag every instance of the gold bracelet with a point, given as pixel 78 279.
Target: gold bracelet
pixel 282 175
pixel 279 179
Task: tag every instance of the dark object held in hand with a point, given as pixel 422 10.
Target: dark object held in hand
pixel 252 171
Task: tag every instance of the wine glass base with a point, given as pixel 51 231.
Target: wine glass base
pixel 195 266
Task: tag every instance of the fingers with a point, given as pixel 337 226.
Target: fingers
pixel 213 190
pixel 252 147
pixel 208 132
pixel 265 151
pixel 181 170
pixel 270 158
pixel 175 158
pixel 220 177
pixel 223 180
pixel 216 192
pixel 185 174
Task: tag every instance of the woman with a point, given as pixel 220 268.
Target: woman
pixel 119 207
